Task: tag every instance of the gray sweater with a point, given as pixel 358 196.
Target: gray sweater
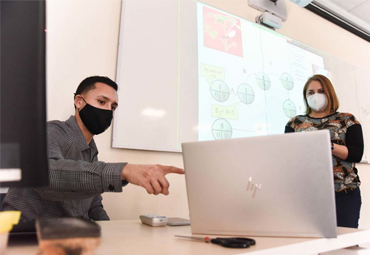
pixel 76 179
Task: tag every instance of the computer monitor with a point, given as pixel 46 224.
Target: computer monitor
pixel 23 159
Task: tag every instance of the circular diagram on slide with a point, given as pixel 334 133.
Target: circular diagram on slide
pixel 220 91
pixel 263 81
pixel 245 93
pixel 221 129
pixel 289 108
pixel 287 81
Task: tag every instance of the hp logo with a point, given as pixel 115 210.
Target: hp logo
pixel 253 187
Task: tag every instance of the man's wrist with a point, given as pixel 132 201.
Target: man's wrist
pixel 125 171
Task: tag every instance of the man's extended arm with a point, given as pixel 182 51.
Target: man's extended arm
pixel 76 179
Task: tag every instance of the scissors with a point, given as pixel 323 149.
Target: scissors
pixel 230 242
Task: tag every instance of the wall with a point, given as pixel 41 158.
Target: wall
pixel 83 41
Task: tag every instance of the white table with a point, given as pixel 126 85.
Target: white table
pixel 132 237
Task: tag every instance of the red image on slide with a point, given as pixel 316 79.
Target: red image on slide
pixel 222 32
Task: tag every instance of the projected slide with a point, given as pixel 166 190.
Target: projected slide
pixel 250 78
pixel 200 73
pixel 222 32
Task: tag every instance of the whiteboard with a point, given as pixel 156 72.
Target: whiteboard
pixel 351 88
pixel 190 72
pixel 362 78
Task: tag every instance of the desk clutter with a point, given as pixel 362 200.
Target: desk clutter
pixel 154 220
pixel 64 236
pixel 7 220
pixel 161 221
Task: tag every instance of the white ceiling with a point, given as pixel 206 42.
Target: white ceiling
pixel 358 8
pixel 356 12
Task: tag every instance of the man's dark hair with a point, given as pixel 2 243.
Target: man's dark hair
pixel 89 84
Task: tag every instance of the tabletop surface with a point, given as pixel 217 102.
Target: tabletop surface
pixel 133 237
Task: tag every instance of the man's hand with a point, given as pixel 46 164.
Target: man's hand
pixel 150 177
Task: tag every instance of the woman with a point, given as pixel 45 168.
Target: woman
pixel 346 143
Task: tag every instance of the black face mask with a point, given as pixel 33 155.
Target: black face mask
pixel 95 119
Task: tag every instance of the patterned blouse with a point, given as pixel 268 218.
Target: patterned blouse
pixel 344 129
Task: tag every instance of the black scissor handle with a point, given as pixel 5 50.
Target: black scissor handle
pixel 250 240
pixel 231 242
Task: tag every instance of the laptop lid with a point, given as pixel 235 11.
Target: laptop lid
pixel 275 185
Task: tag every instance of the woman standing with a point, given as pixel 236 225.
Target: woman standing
pixel 346 143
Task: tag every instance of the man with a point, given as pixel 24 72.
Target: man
pixel 76 177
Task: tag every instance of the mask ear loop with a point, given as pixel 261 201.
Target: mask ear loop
pixel 81 97
pixel 84 99
pixel 74 97
pixel 330 98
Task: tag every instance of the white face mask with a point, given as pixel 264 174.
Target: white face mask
pixel 317 102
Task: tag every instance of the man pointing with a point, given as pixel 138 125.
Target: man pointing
pixel 76 177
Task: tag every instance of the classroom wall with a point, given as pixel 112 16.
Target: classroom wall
pixel 82 40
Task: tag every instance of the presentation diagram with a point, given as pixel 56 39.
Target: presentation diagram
pixel 227 100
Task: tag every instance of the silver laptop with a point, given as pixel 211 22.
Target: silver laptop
pixel 275 185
